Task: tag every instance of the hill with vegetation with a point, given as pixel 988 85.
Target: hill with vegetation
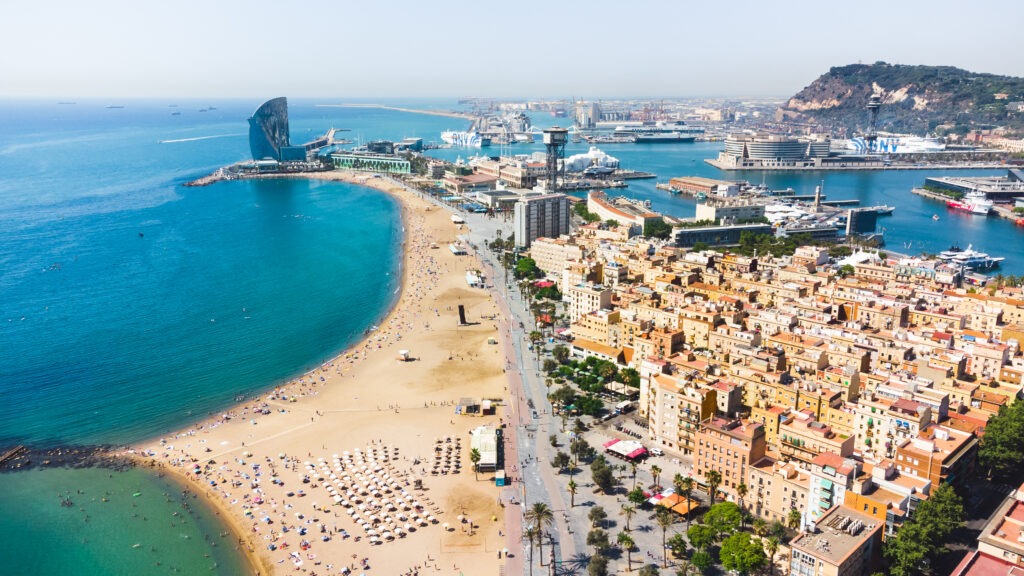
pixel 916 99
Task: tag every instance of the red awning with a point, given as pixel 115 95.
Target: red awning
pixel 610 442
pixel 637 453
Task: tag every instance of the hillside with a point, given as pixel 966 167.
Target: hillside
pixel 917 99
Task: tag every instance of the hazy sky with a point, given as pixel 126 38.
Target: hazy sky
pixel 403 48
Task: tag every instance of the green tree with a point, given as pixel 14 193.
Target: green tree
pixel 597 516
pixel 701 536
pixel 561 461
pixel 846 270
pixel 628 510
pixel 561 353
pixel 627 543
pixel 598 566
pixel 723 518
pixel 923 537
pixel 714 480
pixel 602 474
pixel 629 377
pixel 550 365
pixel 598 539
pixel 702 560
pixel 742 553
pixel 474 457
pixel 648 570
pixel 563 396
pixel 907 552
pixel 572 494
pixel 1002 446
pixel 657 228
pixel 526 267
pixel 656 473
pixel 636 496
pixel 677 544
pixel 940 514
pixel 541 516
pixel 663 518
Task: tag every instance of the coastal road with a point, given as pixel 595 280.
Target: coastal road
pixel 541 484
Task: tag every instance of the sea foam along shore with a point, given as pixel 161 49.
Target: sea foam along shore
pixel 277 465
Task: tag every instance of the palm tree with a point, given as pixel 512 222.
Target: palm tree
pixel 686 490
pixel 474 457
pixel 771 547
pixel 793 518
pixel 741 491
pixel 531 534
pixel 664 519
pixel 632 466
pixel 760 527
pixel 542 517
pixel 626 541
pixel 628 510
pixel 572 494
pixel 677 483
pixel 656 472
pixel 714 480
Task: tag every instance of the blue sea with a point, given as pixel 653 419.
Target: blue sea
pixel 130 305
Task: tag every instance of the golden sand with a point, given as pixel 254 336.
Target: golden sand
pixel 367 399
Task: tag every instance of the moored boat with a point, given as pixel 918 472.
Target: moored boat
pixel 973 203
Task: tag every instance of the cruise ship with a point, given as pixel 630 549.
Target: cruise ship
pixel 970 259
pixel 465 139
pixel 895 144
pixel 974 202
pixel 663 137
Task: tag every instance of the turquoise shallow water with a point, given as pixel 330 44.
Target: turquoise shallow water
pixel 158 532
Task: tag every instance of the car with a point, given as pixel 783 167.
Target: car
pixel 657 452
pixel 534 414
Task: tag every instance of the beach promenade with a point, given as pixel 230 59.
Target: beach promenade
pixel 362 465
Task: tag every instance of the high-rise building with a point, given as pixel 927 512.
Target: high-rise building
pixel 541 216
pixel 268 130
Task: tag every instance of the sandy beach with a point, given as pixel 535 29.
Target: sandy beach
pixel 366 438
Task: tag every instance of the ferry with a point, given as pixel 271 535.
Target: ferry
pixel 679 128
pixel 895 143
pixel 663 137
pixel 974 203
pixel 465 139
pixel 969 258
